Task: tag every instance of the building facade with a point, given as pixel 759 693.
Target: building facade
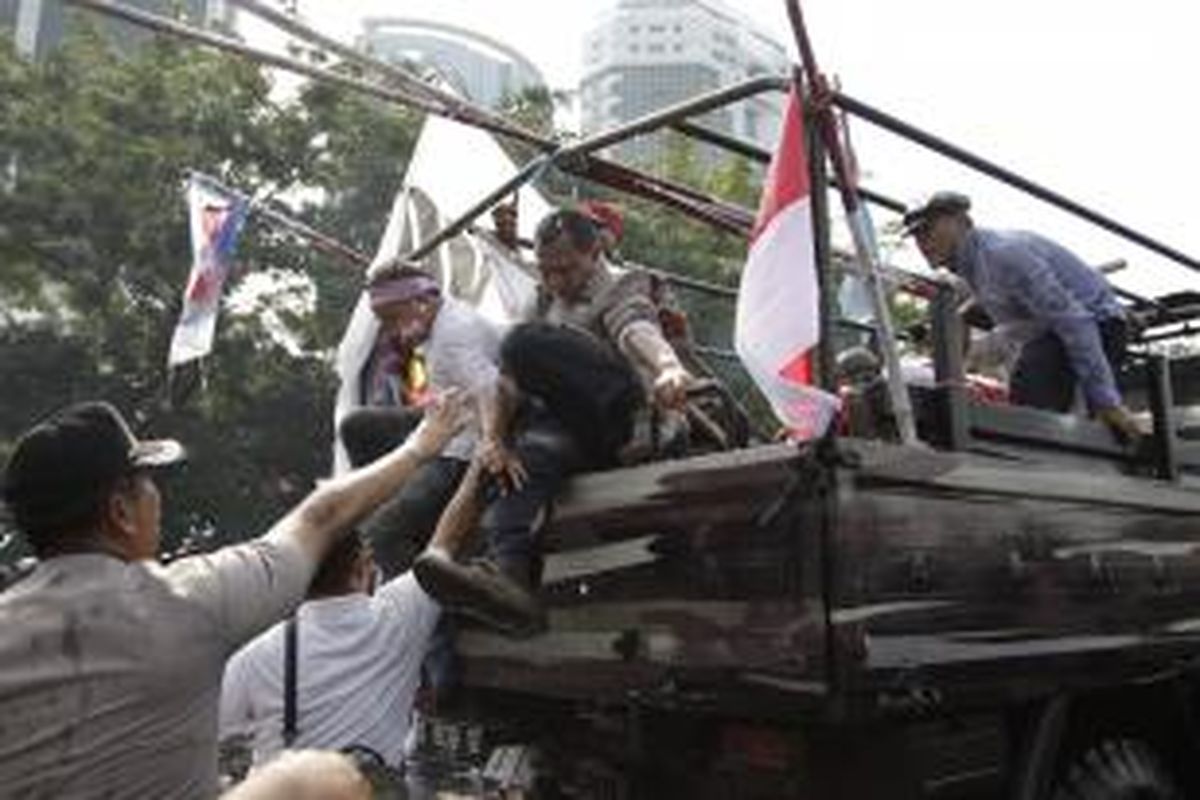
pixel 480 68
pixel 37 26
pixel 646 54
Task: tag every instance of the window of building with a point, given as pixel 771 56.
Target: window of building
pixel 635 28
pixel 678 48
pixel 654 48
pixel 657 29
pixel 633 48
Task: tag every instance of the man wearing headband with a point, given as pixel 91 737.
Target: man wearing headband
pixel 461 351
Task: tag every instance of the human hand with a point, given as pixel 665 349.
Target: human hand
pixel 1121 423
pixel 503 464
pixel 671 387
pixel 444 417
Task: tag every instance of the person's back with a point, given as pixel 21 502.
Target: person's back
pixel 109 673
pixel 358 669
pixel 110 663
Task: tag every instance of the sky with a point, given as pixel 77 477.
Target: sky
pixel 1087 97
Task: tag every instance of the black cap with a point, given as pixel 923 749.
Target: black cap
pixel 938 204
pixel 61 468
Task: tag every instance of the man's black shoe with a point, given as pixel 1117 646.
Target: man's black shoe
pixel 481 590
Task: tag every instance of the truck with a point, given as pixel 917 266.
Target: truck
pixel 1007 607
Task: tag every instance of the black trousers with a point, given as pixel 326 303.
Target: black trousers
pixel 401 526
pixel 1043 376
pixel 581 402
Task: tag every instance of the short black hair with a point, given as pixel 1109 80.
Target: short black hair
pixel 337 566
pixel 579 229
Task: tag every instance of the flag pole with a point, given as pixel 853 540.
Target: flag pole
pixel 321 241
pixel 819 96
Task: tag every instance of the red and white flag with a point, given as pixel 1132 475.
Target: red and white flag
pixel 778 300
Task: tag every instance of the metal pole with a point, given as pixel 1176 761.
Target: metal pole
pixel 688 108
pixel 827 128
pixel 698 206
pixel 755 153
pixel 953 152
pixel 452 106
pixel 163 25
pixel 527 173
pixel 321 240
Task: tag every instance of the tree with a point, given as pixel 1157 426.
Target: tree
pixel 94 251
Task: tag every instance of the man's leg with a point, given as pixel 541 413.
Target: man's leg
pixel 368 433
pixel 593 391
pixel 496 590
pixel 549 455
pixel 399 528
pixel 1043 377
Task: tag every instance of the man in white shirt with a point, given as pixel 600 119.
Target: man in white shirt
pixel 110 664
pixel 357 655
pixel 462 352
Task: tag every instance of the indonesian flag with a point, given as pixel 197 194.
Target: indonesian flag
pixel 778 300
pixel 216 219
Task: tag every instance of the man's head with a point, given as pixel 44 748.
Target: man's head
pixel 608 220
pixel 346 569
pixel 567 246
pixel 80 481
pixel 305 775
pixel 406 299
pixel 938 225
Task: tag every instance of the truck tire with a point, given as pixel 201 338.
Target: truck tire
pixel 1117 769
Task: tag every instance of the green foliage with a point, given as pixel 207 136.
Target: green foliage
pixel 94 251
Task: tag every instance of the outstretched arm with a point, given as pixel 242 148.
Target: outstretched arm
pixel 337 505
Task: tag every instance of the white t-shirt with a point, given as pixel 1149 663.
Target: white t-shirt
pixel 110 671
pixel 357 671
pixel 463 352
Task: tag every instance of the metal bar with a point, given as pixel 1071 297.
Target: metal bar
pixel 716 352
pixel 955 153
pixel 526 174
pixel 664 117
pixel 1162 409
pixel 755 153
pixel 321 240
pixel 864 246
pixel 602 171
pixel 695 284
pixel 453 106
pixel 948 367
pixel 818 180
pixel 163 25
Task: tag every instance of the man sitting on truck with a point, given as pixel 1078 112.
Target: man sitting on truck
pixel 1071 328
pixel 573 379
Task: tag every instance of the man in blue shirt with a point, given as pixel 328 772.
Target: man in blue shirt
pixel 1062 314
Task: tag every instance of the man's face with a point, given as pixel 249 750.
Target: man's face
pixel 408 323
pixel 564 269
pixel 136 512
pixel 938 238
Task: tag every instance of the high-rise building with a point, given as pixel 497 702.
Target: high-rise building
pixel 38 25
pixel 480 68
pixel 646 54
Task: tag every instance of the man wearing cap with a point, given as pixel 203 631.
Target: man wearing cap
pixel 110 664
pixel 1070 328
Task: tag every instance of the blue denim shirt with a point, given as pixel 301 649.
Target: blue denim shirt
pixel 1020 277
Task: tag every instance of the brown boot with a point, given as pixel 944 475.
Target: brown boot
pixel 481 590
